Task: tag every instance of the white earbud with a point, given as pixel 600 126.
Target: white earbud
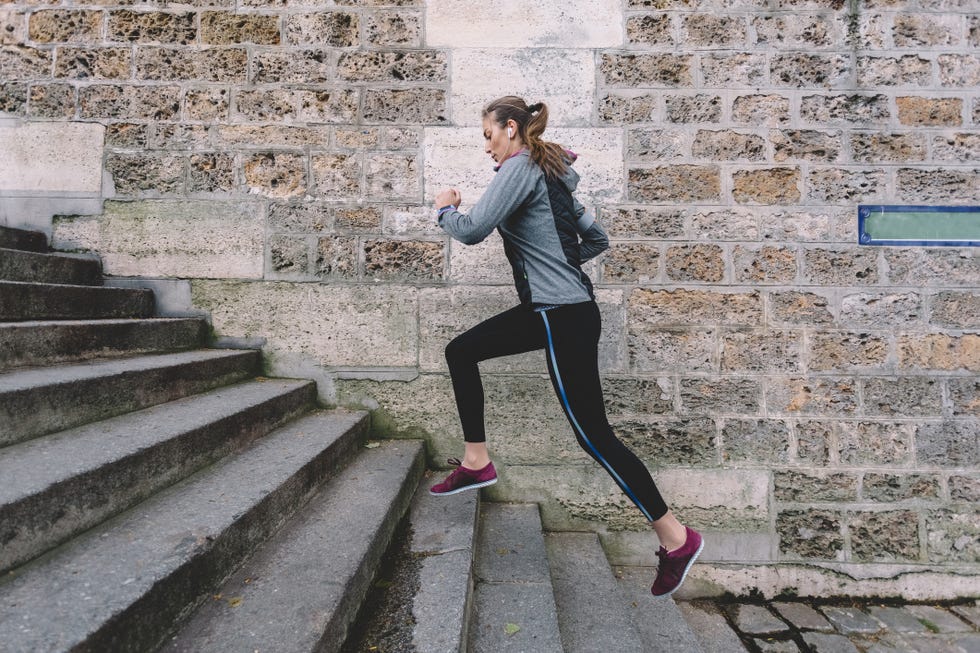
pixel 510 132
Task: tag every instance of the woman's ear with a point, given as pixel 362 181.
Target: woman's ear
pixel 511 128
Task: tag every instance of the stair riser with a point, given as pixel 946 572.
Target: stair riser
pixel 149 622
pixel 27 266
pixel 40 522
pixel 29 344
pixel 20 302
pixel 31 241
pixel 33 412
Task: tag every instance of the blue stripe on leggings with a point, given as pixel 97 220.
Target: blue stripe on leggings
pixel 571 416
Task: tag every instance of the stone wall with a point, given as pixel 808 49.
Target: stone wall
pixel 811 404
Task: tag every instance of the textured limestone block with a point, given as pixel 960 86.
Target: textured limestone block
pixel 728 224
pixel 394 28
pixel 210 104
pixel 52 157
pixel 392 177
pixel 965 397
pixel 19 62
pixel 766 264
pixel 338 29
pixel 358 220
pixel 755 441
pixel 300 218
pixel 123 135
pixel 956 310
pixel 393 66
pixel 713 31
pixel 649 29
pixel 289 255
pixel 728 146
pixel 879 310
pixel 222 28
pixel 845 110
pixel 13 98
pixel 811 70
pixel 171 238
pixel 962 148
pixel 761 110
pixel 814 441
pixel 619 108
pixel 483 263
pixel 949 443
pixel 840 266
pixel 130 102
pixel 314 66
pixel 152 173
pixel 954 535
pixel 513 24
pixel 940 186
pixel 959 70
pixel 799 308
pixel 875 443
pixel 843 351
pixel 152 27
pixel 404 220
pixel 414 105
pixel 280 136
pixel 165 136
pixel 336 258
pixel 907 396
pixel 964 488
pixel 806 145
pixel 631 263
pixel 720 396
pixel 358 138
pixel 643 222
pixel 404 260
pixel 798 31
pixel 929 112
pixel 276 174
pixel 887 487
pixel 697 263
pixel 792 486
pixel 739 70
pixel 52 101
pixel 693 307
pixel 93 63
pixel 693 108
pixel 939 351
pixel 909 70
pixel 211 173
pixel 813 396
pixel 676 184
pixel 632 397
pixel 762 351
pixel 646 70
pixel 168 64
pixel 884 536
pixel 926 30
pixel 328 106
pixel 564 79
pixel 690 441
pixel 766 186
pixel 877 147
pixel 336 176
pixel 801 224
pixel 655 144
pixel 65 26
pixel 814 534
pixel 273 105
pixel 13 26
pixel 653 349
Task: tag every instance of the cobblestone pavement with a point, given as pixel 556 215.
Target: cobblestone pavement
pixel 825 627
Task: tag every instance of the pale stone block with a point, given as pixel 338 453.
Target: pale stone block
pixel 481 263
pixel 517 24
pixel 362 326
pixel 52 157
pixel 170 238
pixel 563 79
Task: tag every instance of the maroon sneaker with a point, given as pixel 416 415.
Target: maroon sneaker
pixel 462 479
pixel 675 564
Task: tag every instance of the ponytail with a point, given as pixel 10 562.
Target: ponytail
pixel 531 122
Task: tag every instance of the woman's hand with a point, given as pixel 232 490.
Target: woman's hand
pixel 448 196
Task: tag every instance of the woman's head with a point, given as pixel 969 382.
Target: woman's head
pixel 509 124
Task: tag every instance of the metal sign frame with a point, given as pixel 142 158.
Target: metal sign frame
pixel 874 230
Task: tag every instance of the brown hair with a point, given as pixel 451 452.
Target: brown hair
pixel 531 121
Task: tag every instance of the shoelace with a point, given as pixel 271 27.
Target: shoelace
pixel 666 566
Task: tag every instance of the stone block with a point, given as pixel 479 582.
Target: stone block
pixel 728 146
pixel 938 266
pixel 766 186
pixel 755 620
pixel 799 308
pixel 47 157
pixel 875 443
pixel 645 70
pixel 336 176
pixel 961 148
pixel 272 136
pixel 761 110
pixel 839 266
pixel 720 396
pixel 482 263
pixel 677 184
pixel 298 218
pixel 294 66
pixel 643 222
pixel 655 145
pixel 13 26
pixel 693 108
pixel 938 186
pixel 129 102
pixel 393 66
pixel 875 147
pixel 690 441
pixel 404 260
pixel 814 487
pixel 798 31
pixel 876 310
pixel 52 101
pixel 939 351
pixel 803 617
pixel 289 255
pixel 802 224
pixel 949 443
pixel 766 264
pixel 171 238
pixel 914 111
pixel 905 71
pixel 336 258
pixel 271 105
pixel 845 110
pixel 754 441
pixel 124 136
pixel 964 488
pixel 907 396
pixel 624 107
pixel 805 145
pixel 886 487
pixel 954 535
pixel 412 106
pixel 845 186
pixel 209 104
pixel 561 78
pixel 813 396
pixel 511 24
pixel 959 70
pixel 697 263
pixel 174 136
pixel 13 98
pixel 392 177
pixel 941 619
pixel 762 351
pixel 738 70
pixel 361 326
pixel 360 219
pixel 926 30
pixel 653 349
pixel 394 28
pixel 146 174
pixel 649 29
pixel 810 534
pixel 849 621
pixel 631 263
pixel 629 397
pixel 358 138
pixel 338 29
pixel 964 395
pixel 955 309
pixel 93 63
pixel 811 70
pixel 152 27
pixel 171 64
pixel 211 173
pixel 327 106
pixel 814 442
pixel 713 31
pixel 840 351
pixel 276 175
pixel 693 307
pixel 65 26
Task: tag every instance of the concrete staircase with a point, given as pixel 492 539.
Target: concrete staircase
pixel 158 494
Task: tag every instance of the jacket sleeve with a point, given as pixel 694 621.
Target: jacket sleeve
pixel 594 238
pixel 509 189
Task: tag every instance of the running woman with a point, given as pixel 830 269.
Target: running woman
pixel 547 235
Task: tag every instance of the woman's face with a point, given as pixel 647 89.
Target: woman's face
pixel 496 142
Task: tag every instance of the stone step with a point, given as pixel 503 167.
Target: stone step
pixel 54 268
pixel 302 589
pixel 20 301
pixel 63 341
pixel 661 624
pixel 31 241
pixel 57 486
pixel 514 604
pixel 38 401
pixel 124 585
pixel 592 615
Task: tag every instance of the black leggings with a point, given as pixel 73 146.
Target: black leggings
pixel 569 335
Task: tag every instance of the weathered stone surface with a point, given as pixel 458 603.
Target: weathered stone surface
pixel 956 309
pixel 843 351
pixel 803 617
pixel 394 28
pixel 632 397
pixel 646 70
pixel 756 619
pixel 643 222
pixel 484 263
pixel 146 174
pixel 848 110
pixel 129 102
pixel 800 225
pixel 964 394
pixel 297 66
pixel 392 177
pixel 766 186
pixel 272 136
pixel 937 186
pixel 960 148
pixel 671 442
pixel 949 443
pixel 276 175
pixel 815 439
pixel 289 255
pixel 908 70
pixel 840 266
pixel 848 621
pixel 814 487
pixel 93 63
pixel 631 263
pixel 655 145
pixel 875 443
pixel 765 110
pixel 876 310
pixel 171 64
pixel 358 219
pixel 799 308
pixel 422 106
pixel 810 70
pixel 13 98
pixel 939 351
pixel 929 112
pixel 339 29
pixel 805 145
pixel 207 104
pixel 766 264
pixel 959 70
pixel 900 487
pixel 404 260
pixel 621 108
pixel 954 535
pixel 754 441
pixel 964 488
pixel 152 27
pixel 336 176
pixel 720 396
pixel 761 351
pixel 814 534
pixel 65 26
pixel 907 396
pixel 328 106
pixel 693 307
pixel 815 396
pixel 653 349
pixel 728 146
pixel 700 263
pixel 915 30
pixel 48 157
pixel 693 108
pixel 738 70
pixel 52 101
pixel 393 66
pixel 336 258
pixel 884 536
pixel 675 184
pixel 875 147
pixel 211 173
pixel 713 31
pixel 295 217
pixel 649 29
pixel 845 186
pixel 171 238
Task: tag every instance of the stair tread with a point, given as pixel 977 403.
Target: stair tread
pixel 294 588
pixel 50 267
pixel 37 324
pixel 69 595
pixel 591 610
pixel 659 620
pixel 23 239
pixel 23 300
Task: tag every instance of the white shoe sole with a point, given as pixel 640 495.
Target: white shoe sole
pixel 475 486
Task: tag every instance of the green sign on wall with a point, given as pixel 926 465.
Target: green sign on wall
pixel 941 226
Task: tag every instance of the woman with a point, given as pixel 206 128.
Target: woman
pixel 547 236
